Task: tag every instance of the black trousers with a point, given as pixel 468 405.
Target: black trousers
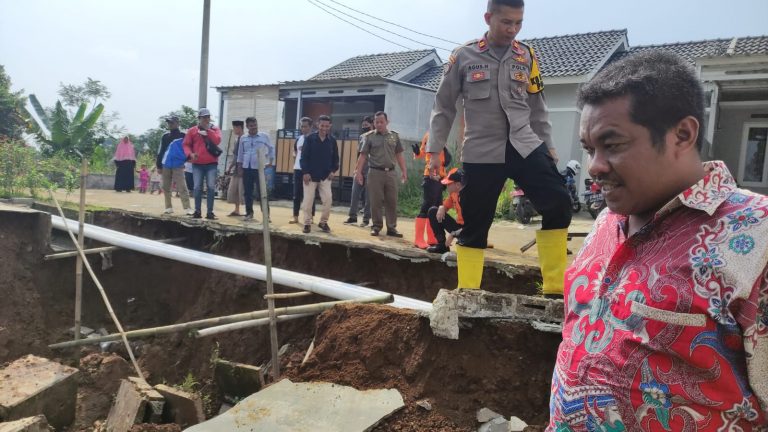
pixel 448 224
pixel 537 175
pixel 432 195
pixel 251 176
pixel 298 193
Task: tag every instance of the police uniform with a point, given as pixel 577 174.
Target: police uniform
pixel 507 135
pixel 381 151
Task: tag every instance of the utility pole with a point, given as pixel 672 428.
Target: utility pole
pixel 203 96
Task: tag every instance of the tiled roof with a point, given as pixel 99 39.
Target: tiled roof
pixel 574 55
pixel 374 65
pixel 711 48
pixel 430 78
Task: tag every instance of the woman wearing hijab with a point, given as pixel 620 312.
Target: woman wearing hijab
pixel 125 159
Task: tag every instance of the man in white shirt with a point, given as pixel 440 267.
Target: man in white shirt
pixel 248 163
pixel 298 176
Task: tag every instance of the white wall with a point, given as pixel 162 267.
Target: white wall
pixel 259 102
pixel 409 109
pixel 729 136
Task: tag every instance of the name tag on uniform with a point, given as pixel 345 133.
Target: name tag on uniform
pixel 520 76
pixel 478 76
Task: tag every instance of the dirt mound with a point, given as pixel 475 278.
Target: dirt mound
pixel 100 376
pixel 506 367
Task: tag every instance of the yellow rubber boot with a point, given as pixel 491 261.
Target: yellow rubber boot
pixel 470 263
pixel 553 250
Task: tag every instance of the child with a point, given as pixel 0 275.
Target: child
pixel 442 222
pixel 155 181
pixel 143 179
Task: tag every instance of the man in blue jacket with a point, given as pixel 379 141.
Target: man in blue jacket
pixel 319 163
pixel 173 172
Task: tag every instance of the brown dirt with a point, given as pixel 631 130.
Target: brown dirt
pixel 369 347
pixel 100 376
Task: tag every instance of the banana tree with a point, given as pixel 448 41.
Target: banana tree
pixel 56 132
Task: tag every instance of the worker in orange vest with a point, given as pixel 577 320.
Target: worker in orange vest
pixel 439 219
pixel 432 193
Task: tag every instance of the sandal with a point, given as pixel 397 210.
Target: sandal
pixel 234 213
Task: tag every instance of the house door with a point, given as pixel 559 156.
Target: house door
pixel 753 166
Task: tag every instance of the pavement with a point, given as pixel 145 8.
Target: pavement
pixel 506 236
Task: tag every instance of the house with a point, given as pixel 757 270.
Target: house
pixel 733 71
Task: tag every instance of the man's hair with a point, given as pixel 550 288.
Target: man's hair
pixel 662 88
pixel 368 119
pixel 251 120
pixel 516 4
pixel 324 118
pixel 306 120
pixel 237 123
pixel 381 113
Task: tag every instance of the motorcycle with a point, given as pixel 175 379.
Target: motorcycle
pixel 572 168
pixel 523 206
pixel 593 198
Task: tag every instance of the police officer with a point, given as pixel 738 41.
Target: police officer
pixel 507 135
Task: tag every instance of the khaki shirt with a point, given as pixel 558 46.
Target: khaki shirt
pixel 381 149
pixel 503 100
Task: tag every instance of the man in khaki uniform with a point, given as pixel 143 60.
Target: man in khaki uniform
pixel 507 135
pixel 382 149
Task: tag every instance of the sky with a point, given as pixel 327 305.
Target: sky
pixel 147 52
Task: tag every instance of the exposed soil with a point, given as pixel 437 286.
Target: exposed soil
pixel 504 367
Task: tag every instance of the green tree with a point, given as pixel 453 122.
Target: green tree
pixel 58 133
pixel 92 92
pixel 12 111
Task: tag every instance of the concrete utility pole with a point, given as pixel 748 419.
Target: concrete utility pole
pixel 203 97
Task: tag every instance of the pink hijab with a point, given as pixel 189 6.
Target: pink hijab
pixel 125 150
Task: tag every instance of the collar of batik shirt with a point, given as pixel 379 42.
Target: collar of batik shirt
pixel 708 193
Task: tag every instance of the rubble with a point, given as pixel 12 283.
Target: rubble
pixel 136 402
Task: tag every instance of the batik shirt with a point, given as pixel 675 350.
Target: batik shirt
pixel 667 330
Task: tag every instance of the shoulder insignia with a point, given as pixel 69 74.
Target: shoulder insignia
pixel 536 84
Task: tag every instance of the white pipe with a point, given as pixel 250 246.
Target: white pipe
pixel 326 287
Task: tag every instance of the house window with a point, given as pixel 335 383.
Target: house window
pixel 753 169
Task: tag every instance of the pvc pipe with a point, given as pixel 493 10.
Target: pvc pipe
pixel 326 287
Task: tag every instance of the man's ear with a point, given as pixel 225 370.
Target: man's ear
pixel 684 135
pixel 488 18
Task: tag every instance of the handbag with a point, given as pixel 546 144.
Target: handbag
pixel 212 148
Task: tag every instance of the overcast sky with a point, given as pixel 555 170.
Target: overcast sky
pixel 147 52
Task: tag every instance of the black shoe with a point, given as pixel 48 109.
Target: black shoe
pixel 553 296
pixel 350 221
pixel 197 215
pixel 306 229
pixel 365 223
pixel 438 248
pixel 211 216
pixel 324 226
pixel 375 232
pixel 394 233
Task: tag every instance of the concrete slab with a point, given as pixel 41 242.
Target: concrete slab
pixel 305 407
pixel 450 305
pixel 182 408
pixel 238 380
pixel 28 424
pixel 34 385
pixel 136 402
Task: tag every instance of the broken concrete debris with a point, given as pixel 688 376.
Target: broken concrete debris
pixel 425 404
pixel 182 408
pixel 34 385
pixel 28 424
pixel 485 415
pixel 287 406
pixel 136 402
pixel 449 306
pixel 237 380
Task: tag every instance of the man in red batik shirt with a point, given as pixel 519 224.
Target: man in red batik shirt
pixel 666 317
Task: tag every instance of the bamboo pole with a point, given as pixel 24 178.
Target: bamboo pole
pixel 103 294
pixel 268 264
pixel 210 331
pixel 175 328
pixel 100 250
pixel 81 245
pixel 287 295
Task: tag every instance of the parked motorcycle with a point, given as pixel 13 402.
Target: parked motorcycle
pixel 524 210
pixel 593 198
pixel 572 169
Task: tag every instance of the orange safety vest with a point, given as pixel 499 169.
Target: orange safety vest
pixel 452 202
pixel 427 156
